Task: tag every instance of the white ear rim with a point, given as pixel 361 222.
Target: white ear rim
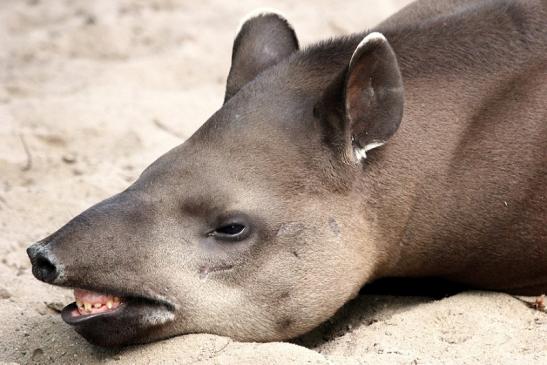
pixel 361 153
pixel 371 37
pixel 263 11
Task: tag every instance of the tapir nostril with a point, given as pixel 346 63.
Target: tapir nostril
pixel 42 265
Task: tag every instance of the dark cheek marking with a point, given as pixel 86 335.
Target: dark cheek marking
pixel 282 298
pixel 284 324
pixel 295 253
pixel 334 226
pixel 284 295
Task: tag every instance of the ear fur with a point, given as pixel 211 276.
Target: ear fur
pixel 264 39
pixel 373 94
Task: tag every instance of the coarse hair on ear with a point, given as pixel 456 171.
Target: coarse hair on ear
pixel 265 37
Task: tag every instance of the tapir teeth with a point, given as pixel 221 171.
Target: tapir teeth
pixel 92 302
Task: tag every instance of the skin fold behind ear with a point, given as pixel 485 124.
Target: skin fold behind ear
pixel 374 97
pixel 263 40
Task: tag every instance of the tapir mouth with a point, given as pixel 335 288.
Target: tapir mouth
pixel 90 304
pixel 109 319
pixel 106 315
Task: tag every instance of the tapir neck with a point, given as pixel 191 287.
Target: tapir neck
pixel 447 192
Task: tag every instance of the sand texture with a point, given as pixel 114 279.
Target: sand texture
pixel 91 92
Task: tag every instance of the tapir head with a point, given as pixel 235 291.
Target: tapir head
pixel 257 226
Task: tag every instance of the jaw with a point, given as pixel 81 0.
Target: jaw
pixel 134 319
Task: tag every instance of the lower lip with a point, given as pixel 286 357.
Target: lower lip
pixel 71 315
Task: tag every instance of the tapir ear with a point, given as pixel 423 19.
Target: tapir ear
pixel 264 39
pixel 373 95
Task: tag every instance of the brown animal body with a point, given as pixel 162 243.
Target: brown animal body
pixel 415 150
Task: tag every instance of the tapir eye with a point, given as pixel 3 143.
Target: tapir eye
pixel 231 232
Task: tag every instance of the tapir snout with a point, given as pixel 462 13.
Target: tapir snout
pixel 86 239
pixel 102 251
pixel 44 264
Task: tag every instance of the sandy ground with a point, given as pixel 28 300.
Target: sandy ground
pixel 93 91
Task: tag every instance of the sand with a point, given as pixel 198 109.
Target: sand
pixel 93 91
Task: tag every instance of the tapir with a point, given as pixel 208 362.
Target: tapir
pixel 414 149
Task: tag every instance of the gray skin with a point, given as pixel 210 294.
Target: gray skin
pixel 455 90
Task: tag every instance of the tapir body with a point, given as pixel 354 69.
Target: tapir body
pixel 416 149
